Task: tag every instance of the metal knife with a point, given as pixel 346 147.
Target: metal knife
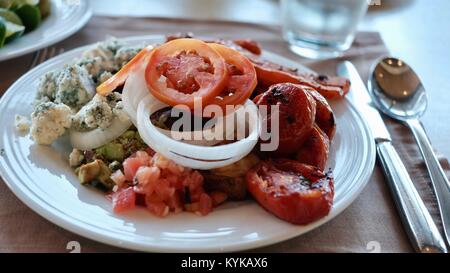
pixel 422 231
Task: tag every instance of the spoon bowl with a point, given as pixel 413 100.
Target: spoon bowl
pixel 397 90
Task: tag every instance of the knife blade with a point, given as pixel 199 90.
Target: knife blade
pixel 421 230
pixel 360 96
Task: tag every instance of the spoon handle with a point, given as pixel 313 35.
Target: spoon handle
pixel 439 180
pixel 421 230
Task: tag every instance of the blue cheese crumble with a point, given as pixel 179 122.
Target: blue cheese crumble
pixel 74 87
pixel 104 77
pixel 66 98
pixel 49 122
pixel 94 66
pixel 103 54
pixel 96 114
pixel 47 87
pixel 125 54
pixel 22 123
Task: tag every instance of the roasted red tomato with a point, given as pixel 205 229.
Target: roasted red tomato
pixel 315 150
pixel 295 192
pixel 297 109
pixel 242 77
pixel 330 87
pixel 183 70
pixel 324 114
pixel 250 45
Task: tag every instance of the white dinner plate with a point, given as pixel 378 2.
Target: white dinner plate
pixel 66 18
pixel 41 177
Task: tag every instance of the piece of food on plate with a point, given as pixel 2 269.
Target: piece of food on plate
pixel 295 192
pixel 231 179
pixel 49 122
pixel 296 115
pixel 22 123
pixel 315 150
pixel 324 118
pixel 270 73
pixel 74 87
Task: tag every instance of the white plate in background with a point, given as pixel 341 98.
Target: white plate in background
pixel 66 17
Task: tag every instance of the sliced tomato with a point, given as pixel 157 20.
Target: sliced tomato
pixel 242 77
pixel 184 70
pixel 120 77
pixel 295 192
pixel 123 200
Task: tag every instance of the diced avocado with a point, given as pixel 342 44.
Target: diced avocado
pixel 30 16
pixel 45 8
pixel 88 172
pixel 105 176
pixel 10 16
pixel 2 32
pixel 96 171
pixel 111 152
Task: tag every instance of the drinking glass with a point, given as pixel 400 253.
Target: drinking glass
pixel 320 29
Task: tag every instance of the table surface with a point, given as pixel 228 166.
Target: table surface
pixel 414 30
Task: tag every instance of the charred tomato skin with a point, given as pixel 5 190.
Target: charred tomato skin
pixel 297 110
pixel 292 191
pixel 325 118
pixel 316 149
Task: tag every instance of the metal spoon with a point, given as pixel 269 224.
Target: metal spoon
pixel 397 91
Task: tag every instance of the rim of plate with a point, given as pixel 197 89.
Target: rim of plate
pixel 80 14
pixel 77 226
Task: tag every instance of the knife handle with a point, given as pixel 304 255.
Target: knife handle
pixel 416 219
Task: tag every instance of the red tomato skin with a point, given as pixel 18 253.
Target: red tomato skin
pixel 297 110
pixel 297 207
pixel 316 149
pixel 123 200
pixel 250 45
pixel 209 85
pixel 242 77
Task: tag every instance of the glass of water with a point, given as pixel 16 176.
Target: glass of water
pixel 321 29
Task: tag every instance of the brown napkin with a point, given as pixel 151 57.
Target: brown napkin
pixel 371 223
